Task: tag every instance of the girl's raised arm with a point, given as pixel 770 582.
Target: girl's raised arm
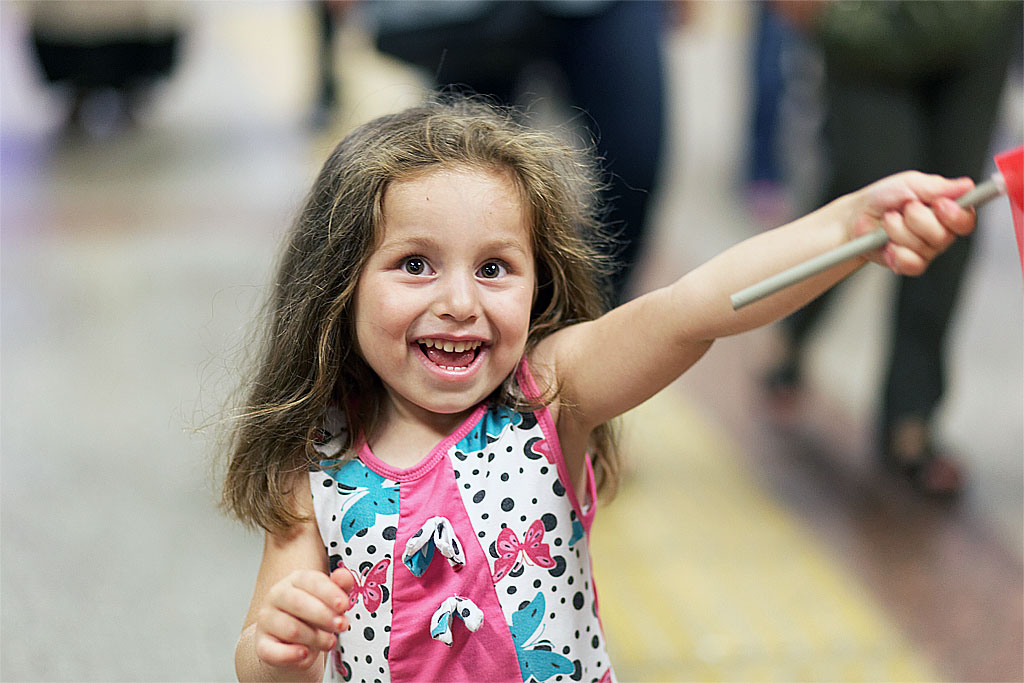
pixel 607 366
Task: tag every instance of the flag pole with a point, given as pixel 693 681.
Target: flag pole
pixel 986 191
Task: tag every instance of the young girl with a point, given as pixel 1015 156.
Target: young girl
pixel 427 428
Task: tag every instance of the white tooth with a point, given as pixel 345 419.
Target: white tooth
pixel 449 346
pixel 459 347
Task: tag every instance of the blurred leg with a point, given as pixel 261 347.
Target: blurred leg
pixel 961 115
pixel 614 66
pixel 872 130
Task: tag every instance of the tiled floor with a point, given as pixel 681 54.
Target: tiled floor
pixel 746 545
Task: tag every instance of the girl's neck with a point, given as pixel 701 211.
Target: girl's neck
pixel 407 434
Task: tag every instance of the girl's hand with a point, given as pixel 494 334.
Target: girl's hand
pixel 918 213
pixel 301 617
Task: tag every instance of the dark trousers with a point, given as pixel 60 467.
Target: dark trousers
pixel 612 64
pixel 943 124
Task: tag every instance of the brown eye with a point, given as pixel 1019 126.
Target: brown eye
pixel 414 265
pixel 491 270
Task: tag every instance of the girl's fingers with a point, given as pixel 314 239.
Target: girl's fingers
pixel 343 578
pixel 903 261
pixel 276 653
pixel 310 610
pixel 922 222
pixel 318 601
pixel 901 235
pixel 960 221
pixel 287 629
pixel 930 188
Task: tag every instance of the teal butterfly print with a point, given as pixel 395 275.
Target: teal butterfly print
pixel 537 660
pixel 373 495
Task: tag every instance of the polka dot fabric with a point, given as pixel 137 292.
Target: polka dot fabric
pixel 528 561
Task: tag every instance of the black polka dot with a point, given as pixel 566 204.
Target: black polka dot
pixel 371 549
pixel 577 600
pixel 478 496
pixel 368 633
pixel 389 533
pixel 558 488
pixel 504 476
pixel 507 504
pixel 549 520
pixel 511 590
pixel 595 642
pixel 536 583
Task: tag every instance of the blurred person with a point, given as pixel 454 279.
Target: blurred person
pixel 766 181
pixel 607 55
pixel 907 85
pixel 329 16
pixel 108 54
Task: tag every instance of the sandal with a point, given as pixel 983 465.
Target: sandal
pixel 908 452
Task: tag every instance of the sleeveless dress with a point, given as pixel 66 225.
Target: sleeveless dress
pixel 472 565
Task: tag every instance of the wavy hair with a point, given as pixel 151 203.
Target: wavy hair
pixel 308 358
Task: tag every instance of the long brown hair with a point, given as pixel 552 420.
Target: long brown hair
pixel 309 358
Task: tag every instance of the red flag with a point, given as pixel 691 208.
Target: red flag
pixel 1011 166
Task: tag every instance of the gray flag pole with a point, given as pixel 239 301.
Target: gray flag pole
pixel 991 188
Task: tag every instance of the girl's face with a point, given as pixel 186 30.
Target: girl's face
pixel 442 306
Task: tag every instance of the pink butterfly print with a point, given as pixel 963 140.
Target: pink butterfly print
pixel 368 585
pixel 509 548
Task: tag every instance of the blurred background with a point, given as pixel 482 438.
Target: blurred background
pixel 145 188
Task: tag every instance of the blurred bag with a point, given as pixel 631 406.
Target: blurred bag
pixel 909 39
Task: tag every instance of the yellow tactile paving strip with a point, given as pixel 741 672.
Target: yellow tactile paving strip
pixel 704 577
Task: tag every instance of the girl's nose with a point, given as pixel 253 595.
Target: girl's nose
pixel 457 297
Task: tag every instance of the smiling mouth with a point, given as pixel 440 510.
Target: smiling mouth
pixel 448 354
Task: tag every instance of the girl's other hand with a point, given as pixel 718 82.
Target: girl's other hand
pixel 301 617
pixel 920 216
